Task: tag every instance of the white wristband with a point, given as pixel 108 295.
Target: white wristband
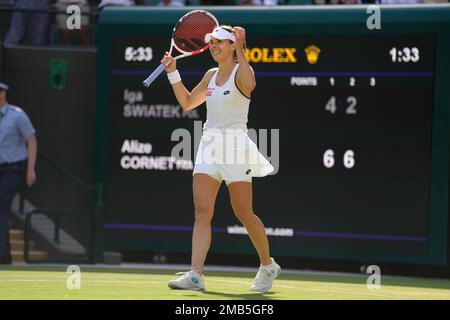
pixel 174 77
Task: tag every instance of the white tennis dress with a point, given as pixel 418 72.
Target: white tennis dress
pixel 226 152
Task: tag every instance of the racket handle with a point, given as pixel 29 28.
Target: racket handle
pixel 154 75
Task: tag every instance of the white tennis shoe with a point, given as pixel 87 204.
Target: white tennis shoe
pixel 265 276
pixel 188 281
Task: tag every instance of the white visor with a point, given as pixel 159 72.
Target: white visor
pixel 4 86
pixel 221 34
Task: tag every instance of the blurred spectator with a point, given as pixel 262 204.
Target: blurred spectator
pixel 29 27
pixel 349 2
pixel 116 3
pixel 398 1
pixel 333 2
pixel 64 32
pixel 171 3
pixel 218 2
pixel 259 2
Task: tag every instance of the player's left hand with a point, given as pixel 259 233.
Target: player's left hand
pixel 240 37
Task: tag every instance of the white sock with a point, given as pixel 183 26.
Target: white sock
pixel 267 266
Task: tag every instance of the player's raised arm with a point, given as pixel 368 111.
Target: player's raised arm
pixel 245 76
pixel 187 100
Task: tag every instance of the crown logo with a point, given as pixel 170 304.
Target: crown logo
pixel 312 54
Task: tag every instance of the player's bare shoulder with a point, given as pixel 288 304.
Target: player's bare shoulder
pixel 207 77
pixel 209 74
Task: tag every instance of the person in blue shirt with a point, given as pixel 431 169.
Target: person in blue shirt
pixel 17 145
pixel 29 23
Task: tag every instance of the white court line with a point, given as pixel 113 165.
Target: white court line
pixel 82 281
pixel 336 290
pixel 180 267
pixel 311 289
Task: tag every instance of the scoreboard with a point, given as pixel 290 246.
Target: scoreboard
pixel 355 122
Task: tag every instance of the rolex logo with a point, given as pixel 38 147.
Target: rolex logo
pixel 312 54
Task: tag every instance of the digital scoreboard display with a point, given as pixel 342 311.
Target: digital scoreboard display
pixel 345 119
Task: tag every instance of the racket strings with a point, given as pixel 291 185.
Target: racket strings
pixel 190 31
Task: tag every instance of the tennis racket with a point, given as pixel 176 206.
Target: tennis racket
pixel 188 37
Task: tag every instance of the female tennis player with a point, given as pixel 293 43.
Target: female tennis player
pixel 226 90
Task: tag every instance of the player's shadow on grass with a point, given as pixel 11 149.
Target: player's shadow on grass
pixel 243 296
